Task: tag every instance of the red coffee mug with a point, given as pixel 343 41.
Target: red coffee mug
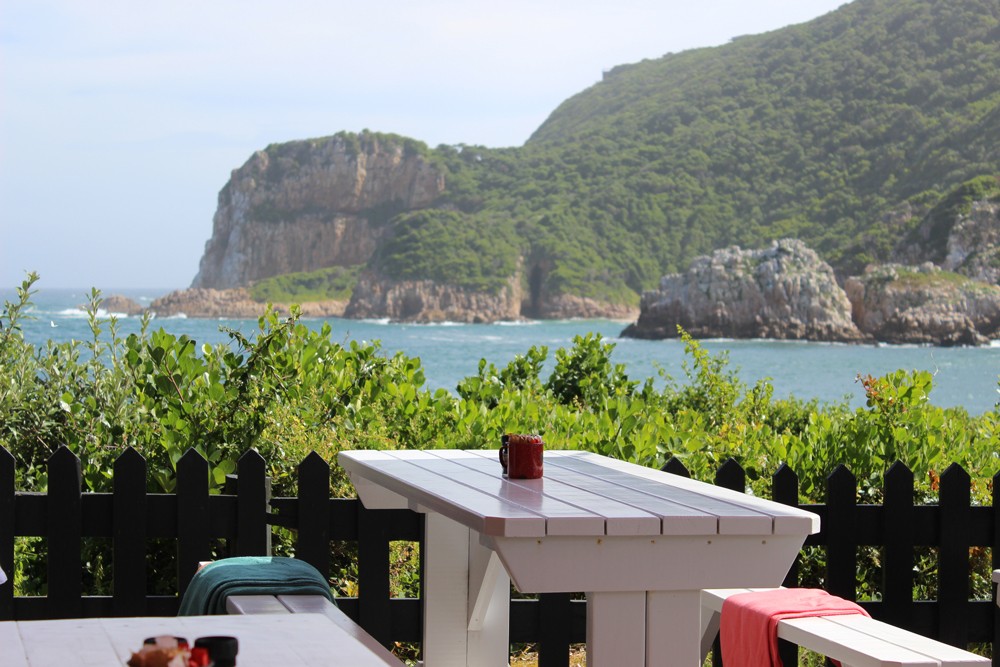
pixel 521 456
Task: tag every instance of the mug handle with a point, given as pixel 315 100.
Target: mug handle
pixel 504 440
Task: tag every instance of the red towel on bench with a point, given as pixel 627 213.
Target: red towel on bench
pixel 749 624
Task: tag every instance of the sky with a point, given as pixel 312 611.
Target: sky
pixel 120 121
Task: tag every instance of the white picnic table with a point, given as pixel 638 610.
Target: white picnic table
pixel 308 640
pixel 639 542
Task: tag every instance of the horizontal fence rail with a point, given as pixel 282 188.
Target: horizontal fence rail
pixel 240 521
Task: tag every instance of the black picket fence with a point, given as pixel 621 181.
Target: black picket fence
pixel 242 520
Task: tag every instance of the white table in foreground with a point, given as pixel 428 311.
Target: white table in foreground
pixel 308 640
pixel 640 542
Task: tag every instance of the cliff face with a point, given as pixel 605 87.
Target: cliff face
pixel 307 205
pixel 784 292
pixel 974 243
pixel 427 301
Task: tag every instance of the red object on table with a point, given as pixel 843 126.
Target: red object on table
pixel 748 629
pixel 521 456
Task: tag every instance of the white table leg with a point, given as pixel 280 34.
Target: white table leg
pixel 466 599
pixel 616 629
pixel 673 628
pixel 446 592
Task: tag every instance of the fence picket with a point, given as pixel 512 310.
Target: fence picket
pixel 842 552
pixel 732 476
pixel 193 517
pixel 897 530
pixel 129 534
pixel 373 577
pixel 953 560
pixel 252 531
pixel 64 530
pixel 312 541
pixel 785 490
pixel 675 467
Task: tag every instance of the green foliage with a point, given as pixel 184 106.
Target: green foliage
pixel 450 248
pixel 333 283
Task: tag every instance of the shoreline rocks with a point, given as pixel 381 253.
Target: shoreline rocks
pixel 232 304
pixel 924 305
pixel 787 292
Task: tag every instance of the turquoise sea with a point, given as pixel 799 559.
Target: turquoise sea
pixel 451 351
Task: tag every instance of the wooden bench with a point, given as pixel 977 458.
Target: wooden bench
pixel 854 640
pixel 311 604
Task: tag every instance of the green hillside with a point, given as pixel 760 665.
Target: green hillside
pixel 813 131
pixel 817 131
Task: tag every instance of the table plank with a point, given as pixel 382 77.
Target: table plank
pixel 618 518
pixel 534 495
pixel 786 520
pixel 482 512
pixel 624 506
pixel 306 639
pixel 732 518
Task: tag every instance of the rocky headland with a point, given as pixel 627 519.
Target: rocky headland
pixel 302 206
pixel 307 205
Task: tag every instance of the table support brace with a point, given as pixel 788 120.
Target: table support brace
pixel 466 599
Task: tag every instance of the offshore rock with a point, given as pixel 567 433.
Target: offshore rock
pixel 307 205
pixel 232 304
pixel 924 305
pixel 118 304
pixel 427 301
pixel 783 292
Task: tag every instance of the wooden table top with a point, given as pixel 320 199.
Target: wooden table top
pixel 580 494
pixel 264 640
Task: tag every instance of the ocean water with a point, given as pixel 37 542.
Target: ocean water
pixel 449 352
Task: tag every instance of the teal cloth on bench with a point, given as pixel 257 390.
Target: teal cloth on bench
pixel 250 575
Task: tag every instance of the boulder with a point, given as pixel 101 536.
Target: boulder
pixel 784 291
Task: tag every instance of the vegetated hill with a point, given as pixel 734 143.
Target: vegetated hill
pixel 844 132
pixel 814 131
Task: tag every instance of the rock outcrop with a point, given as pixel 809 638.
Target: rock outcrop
pixel 427 301
pixel 974 243
pixel 925 305
pixel 307 205
pixel 782 292
pixel 232 304
pixel 121 305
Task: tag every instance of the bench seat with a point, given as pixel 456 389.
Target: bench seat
pixel 311 604
pixel 854 640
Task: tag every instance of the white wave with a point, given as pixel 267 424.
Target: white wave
pixel 380 320
pixel 178 316
pixel 517 323
pixel 73 312
pixel 994 343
